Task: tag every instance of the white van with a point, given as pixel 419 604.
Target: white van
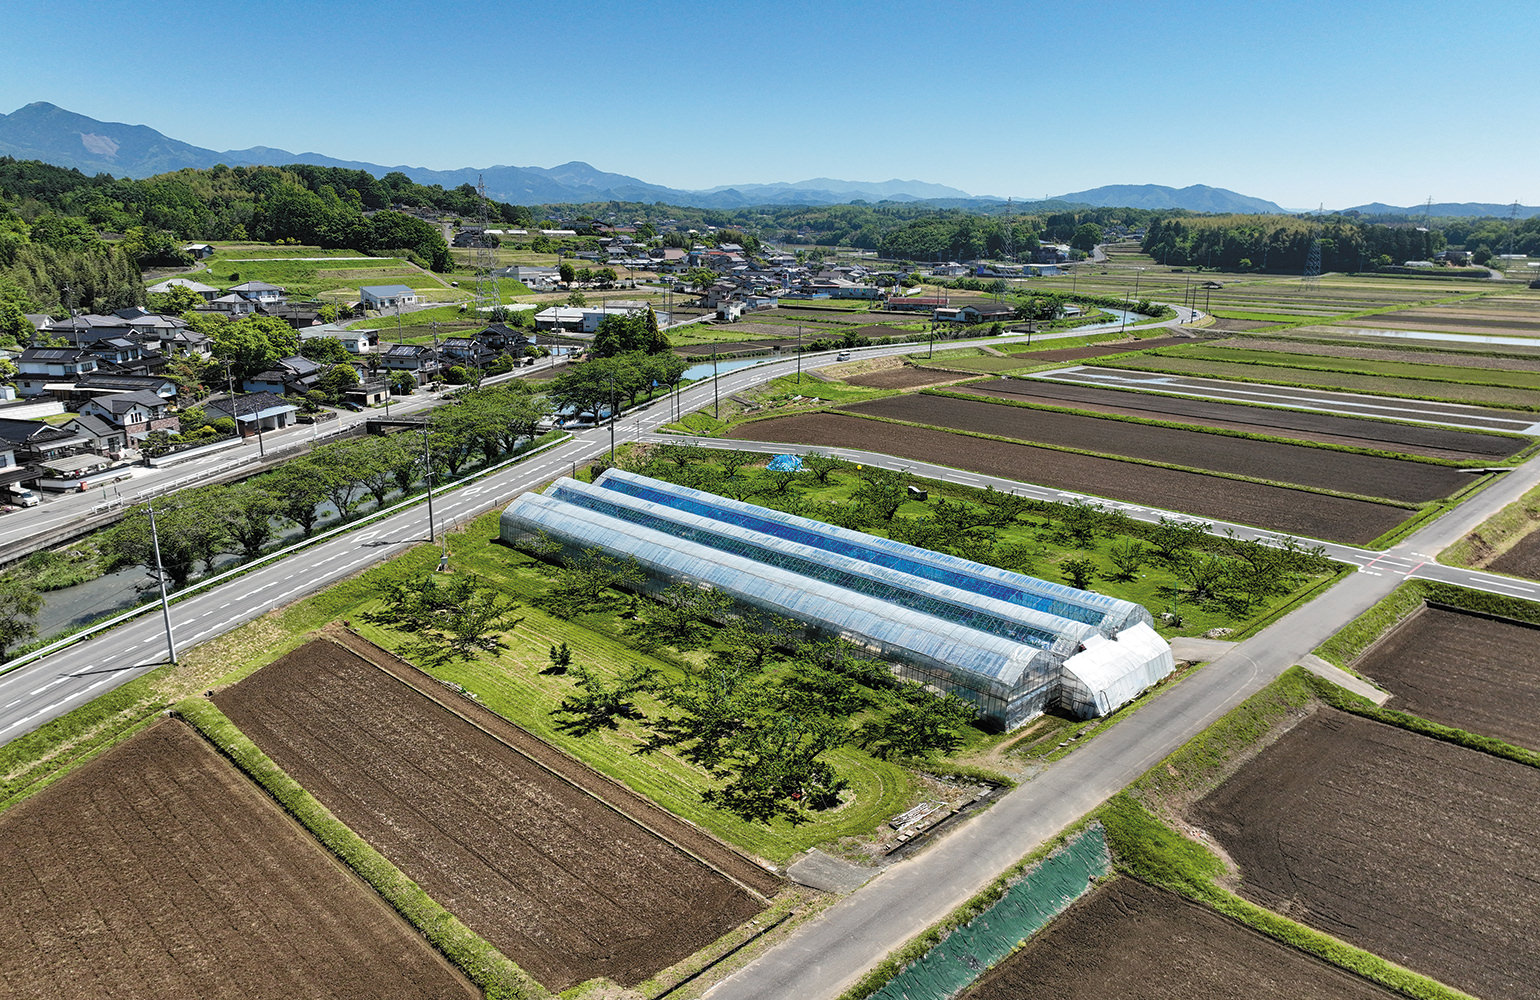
pixel 25 498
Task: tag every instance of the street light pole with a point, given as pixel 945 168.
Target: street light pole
pixel 160 579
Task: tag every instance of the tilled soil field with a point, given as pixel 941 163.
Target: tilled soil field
pixel 1462 670
pixel 1417 850
pixel 1414 439
pixel 904 377
pixel 157 871
pixel 561 882
pixel 1364 475
pixel 1278 508
pixel 1521 560
pixel 1130 939
pixel 1462 359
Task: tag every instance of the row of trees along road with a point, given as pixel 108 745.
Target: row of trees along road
pixel 199 526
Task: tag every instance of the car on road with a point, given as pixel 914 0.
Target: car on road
pixel 843 356
pixel 25 498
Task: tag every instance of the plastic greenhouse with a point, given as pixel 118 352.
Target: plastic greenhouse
pixel 1011 644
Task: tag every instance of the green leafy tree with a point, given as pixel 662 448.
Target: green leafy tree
pixel 683 616
pixel 250 515
pixel 301 489
pixel 566 272
pixel 325 350
pixel 917 723
pixel 597 705
pixel 457 619
pixel 881 493
pixel 19 605
pixel 1127 556
pixel 1078 572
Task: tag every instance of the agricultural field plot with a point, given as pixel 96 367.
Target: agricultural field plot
pixel 1417 850
pixel 901 376
pixel 1518 398
pixel 1521 560
pixel 1414 439
pixel 1500 316
pixel 1340 471
pixel 331 274
pixel 1462 670
pixel 157 871
pixel 555 878
pixel 1380 351
pixel 1408 365
pixel 1277 508
pixel 1364 404
pixel 1128 938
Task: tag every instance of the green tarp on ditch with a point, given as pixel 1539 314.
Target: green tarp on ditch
pixel 1044 892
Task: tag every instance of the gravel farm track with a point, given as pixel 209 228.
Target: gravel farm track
pixel 1327 428
pixel 1276 508
pixel 1127 938
pixel 1463 670
pixel 157 871
pixel 1301 465
pixel 563 883
pixel 1415 849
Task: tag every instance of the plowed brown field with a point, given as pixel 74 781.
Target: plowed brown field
pixel 1365 475
pixel 1413 439
pixel 1129 939
pixel 1521 560
pixel 1278 508
pixel 561 882
pixel 157 871
pixel 1417 850
pixel 1463 670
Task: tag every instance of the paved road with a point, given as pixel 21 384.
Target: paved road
pixel 826 955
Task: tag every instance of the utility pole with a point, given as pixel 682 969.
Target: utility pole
pixel 427 457
pixel 160 579
pixel 799 353
pixel 716 399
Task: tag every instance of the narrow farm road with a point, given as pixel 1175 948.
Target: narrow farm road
pixel 825 956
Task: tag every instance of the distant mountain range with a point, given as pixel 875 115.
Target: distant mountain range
pixel 1197 198
pixel 1464 209
pixel 43 131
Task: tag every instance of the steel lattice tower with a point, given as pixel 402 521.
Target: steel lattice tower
pixel 487 297
pixel 1313 258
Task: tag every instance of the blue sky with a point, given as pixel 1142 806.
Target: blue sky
pixel 1300 103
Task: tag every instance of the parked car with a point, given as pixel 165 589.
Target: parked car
pixel 25 498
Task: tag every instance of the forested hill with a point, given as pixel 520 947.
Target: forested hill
pixel 51 221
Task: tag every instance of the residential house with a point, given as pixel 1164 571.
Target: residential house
pixel 254 412
pixel 383 297
pixel 259 292
pixel 100 383
pixel 296 374
pixel 416 359
pixel 88 327
pixel 38 367
pixel 915 303
pixel 230 304
pixel 353 341
pixel 584 318
pixel 34 442
pixel 12 473
pixel 298 315
pixel 105 438
pixel 206 292
pixel 137 413
pixel 198 251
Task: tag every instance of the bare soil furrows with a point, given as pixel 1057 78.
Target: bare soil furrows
pixel 1464 671
pixel 1278 508
pixel 1417 850
pixel 559 881
pixel 1365 475
pixel 1461 359
pixel 1521 560
pixel 1128 938
pixel 1414 439
pixel 158 871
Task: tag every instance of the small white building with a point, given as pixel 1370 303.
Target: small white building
pixel 384 297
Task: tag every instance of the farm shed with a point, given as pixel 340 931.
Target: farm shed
pixel 996 638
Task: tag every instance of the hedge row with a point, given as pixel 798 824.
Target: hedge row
pixel 497 976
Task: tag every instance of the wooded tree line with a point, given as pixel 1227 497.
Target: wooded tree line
pixel 199 526
pixel 60 262
pixel 591 385
pixel 1272 243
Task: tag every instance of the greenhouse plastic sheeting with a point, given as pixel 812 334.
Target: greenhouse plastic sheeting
pixel 1109 674
pixel 969 951
pixel 1109 614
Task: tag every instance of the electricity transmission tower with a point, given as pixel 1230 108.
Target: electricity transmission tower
pixel 487 297
pixel 1313 258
